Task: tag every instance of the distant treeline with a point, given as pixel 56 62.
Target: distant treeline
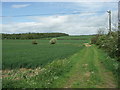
pixel 32 35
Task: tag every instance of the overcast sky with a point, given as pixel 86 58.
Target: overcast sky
pixel 74 18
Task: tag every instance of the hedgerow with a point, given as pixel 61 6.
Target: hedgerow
pixel 110 44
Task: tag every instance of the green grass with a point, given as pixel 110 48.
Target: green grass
pixel 56 66
pixel 42 77
pixel 81 37
pixel 70 73
pixel 95 75
pixel 22 53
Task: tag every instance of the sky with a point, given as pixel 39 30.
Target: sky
pixel 74 18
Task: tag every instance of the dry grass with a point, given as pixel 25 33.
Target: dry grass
pixel 87 45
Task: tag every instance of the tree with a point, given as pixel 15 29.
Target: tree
pixel 101 31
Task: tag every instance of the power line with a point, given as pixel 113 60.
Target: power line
pixel 53 14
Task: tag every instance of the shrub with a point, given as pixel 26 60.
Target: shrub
pixel 109 43
pixel 34 42
pixel 53 41
pixel 94 39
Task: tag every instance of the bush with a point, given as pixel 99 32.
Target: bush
pixel 109 43
pixel 34 42
pixel 94 39
pixel 53 41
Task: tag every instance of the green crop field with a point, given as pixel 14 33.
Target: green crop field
pixel 23 54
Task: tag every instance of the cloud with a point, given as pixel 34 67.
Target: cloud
pixel 59 0
pixel 92 6
pixel 82 24
pixel 20 5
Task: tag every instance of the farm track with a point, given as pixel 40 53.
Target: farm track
pixel 89 72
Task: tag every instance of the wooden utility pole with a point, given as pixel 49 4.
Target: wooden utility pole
pixel 109 12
